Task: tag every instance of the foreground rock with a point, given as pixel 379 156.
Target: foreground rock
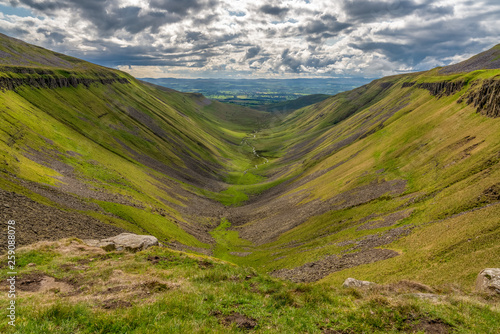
pixel 489 280
pixel 354 283
pixel 125 241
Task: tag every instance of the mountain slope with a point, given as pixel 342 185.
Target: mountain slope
pixel 98 144
pixel 407 163
pixel 397 179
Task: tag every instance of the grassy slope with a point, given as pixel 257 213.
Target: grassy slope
pixel 401 134
pixel 422 143
pixel 99 131
pixel 422 140
pixel 164 291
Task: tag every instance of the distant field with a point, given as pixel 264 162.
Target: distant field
pixel 258 92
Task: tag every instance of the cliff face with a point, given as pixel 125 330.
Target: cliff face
pixel 485 98
pixel 55 82
pixel 438 89
pixel 484 95
pixel 15 77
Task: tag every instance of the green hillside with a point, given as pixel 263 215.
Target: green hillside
pixel 395 181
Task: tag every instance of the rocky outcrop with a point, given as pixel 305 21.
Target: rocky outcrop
pixel 488 280
pixel 486 98
pixel 438 89
pixel 125 241
pixel 442 88
pixel 7 83
pixel 12 77
pixel 354 283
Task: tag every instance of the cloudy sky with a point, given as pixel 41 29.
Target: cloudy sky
pixel 258 38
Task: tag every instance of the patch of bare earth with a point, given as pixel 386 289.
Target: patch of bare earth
pixel 40 282
pixel 240 320
pixel 112 304
pixel 429 326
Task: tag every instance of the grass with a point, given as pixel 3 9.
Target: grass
pixel 227 241
pixel 188 293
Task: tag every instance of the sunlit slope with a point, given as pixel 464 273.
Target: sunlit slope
pixel 402 173
pixel 395 179
pixel 99 142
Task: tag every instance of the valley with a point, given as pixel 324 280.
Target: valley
pixel 394 181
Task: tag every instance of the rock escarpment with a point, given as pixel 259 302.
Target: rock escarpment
pixel 486 98
pixel 55 82
pixel 15 77
pixel 483 95
pixel 438 89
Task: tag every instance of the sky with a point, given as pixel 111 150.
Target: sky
pixel 258 38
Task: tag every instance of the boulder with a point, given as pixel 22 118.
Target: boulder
pixel 354 283
pixel 488 280
pixel 125 241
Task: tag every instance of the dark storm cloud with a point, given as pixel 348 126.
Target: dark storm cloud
pixel 372 10
pixel 439 39
pixel 41 6
pixel 53 37
pixel 115 54
pixel 252 52
pixel 288 60
pixel 274 10
pixel 176 6
pixel 320 37
pixel 107 17
pixel 325 27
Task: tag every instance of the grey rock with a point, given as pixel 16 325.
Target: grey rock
pixel 107 246
pixel 354 283
pixel 488 280
pixel 125 241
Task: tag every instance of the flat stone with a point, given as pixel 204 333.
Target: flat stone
pixel 125 241
pixel 354 283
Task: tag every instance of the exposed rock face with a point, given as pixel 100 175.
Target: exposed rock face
pixel 46 78
pixel 55 82
pixel 439 89
pixel 486 99
pixel 489 280
pixel 354 283
pixel 125 241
